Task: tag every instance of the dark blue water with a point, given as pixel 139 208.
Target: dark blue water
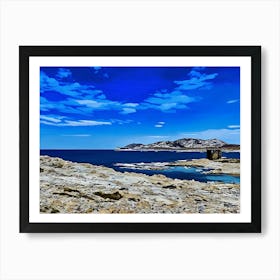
pixel 110 157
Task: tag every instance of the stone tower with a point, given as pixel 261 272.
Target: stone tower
pixel 213 154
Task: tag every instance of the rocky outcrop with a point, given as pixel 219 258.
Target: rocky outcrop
pixel 69 187
pixel 183 144
pixel 228 166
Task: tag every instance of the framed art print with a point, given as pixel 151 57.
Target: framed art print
pixel 140 138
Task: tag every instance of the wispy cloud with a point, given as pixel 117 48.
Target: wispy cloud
pixel 76 135
pixel 105 104
pixel 167 101
pixel 118 121
pixel 159 124
pixel 61 121
pixel 232 101
pixel 50 118
pixel 85 123
pixel 234 126
pixel 72 89
pixel 197 80
pixel 177 98
pixel 97 70
pixel 98 104
pixel 126 111
pixel 63 73
pixel 133 105
pixel 129 108
pixel 158 136
pixel 84 99
pixel 65 106
pixel 79 98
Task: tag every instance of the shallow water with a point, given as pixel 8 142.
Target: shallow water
pixel 186 173
pixel 109 158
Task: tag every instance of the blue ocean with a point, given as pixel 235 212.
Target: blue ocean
pixel 109 158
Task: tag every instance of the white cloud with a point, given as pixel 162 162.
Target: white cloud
pixel 80 99
pixel 77 135
pixel 126 111
pixel 62 122
pixel 195 73
pixel 130 104
pixel 232 101
pixel 117 121
pixel 158 136
pixel 73 89
pixel 105 104
pixel 167 101
pixel 92 103
pixel 51 119
pixel 97 70
pixel 85 123
pixel 159 124
pixel 85 99
pixel 234 126
pixel 49 123
pixel 100 104
pixel 177 99
pixel 197 80
pixel 63 73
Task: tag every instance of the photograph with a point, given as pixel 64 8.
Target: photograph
pixel 139 140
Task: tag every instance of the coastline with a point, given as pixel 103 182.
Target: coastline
pixel 70 187
pixel 190 150
pixel 220 166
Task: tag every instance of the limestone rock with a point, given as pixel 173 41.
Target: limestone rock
pixel 69 187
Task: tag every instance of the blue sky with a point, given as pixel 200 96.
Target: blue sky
pixel 109 107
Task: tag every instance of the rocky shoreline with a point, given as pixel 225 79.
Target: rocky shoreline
pixel 69 187
pixel 219 166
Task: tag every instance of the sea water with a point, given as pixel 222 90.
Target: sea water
pixel 109 158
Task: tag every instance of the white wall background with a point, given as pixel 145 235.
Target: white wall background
pixel 139 256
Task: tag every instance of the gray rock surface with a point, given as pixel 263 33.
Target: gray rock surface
pixel 69 187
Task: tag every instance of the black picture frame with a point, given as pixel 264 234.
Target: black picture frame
pixel 254 52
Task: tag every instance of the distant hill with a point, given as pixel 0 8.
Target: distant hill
pixel 183 144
